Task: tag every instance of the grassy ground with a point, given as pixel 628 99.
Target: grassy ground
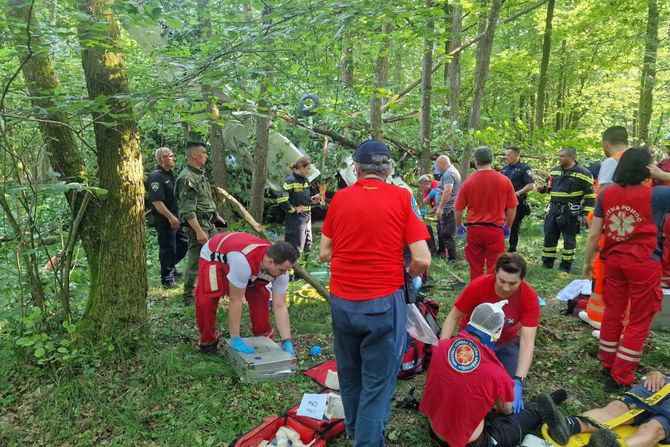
pixel 166 394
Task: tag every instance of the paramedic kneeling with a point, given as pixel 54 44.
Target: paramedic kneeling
pixel 466 380
pixel 653 424
pixel 241 265
pixel 522 315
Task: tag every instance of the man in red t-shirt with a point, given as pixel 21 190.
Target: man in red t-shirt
pixel 665 260
pixel 491 202
pixel 522 315
pixel 367 227
pixel 465 370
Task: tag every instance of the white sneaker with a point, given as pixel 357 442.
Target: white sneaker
pixel 596 334
pixel 584 316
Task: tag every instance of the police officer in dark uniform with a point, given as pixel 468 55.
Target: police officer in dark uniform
pixel 297 201
pixel 571 187
pixel 172 242
pixel 521 177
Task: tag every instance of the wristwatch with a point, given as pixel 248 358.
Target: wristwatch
pixel 520 379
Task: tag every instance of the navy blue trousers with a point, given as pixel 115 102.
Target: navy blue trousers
pixel 369 344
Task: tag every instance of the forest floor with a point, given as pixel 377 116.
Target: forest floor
pixel 167 394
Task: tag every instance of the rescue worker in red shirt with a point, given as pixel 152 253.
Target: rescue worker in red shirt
pixel 366 230
pixel 464 370
pixel 522 315
pixel 241 266
pixel 428 188
pixel 491 202
pixel 664 165
pixel 625 215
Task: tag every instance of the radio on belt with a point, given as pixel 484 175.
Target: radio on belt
pixel 269 362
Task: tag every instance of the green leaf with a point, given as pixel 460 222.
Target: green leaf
pixel 39 352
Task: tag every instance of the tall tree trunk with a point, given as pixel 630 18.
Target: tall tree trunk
pixel 217 149
pixel 64 155
pixel 426 90
pixel 560 94
pixel 648 72
pixel 117 300
pixel 380 78
pixel 259 175
pixel 454 66
pixel 397 64
pixel 544 66
pixel 347 63
pixel 484 48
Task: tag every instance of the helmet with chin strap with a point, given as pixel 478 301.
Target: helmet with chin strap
pixel 487 322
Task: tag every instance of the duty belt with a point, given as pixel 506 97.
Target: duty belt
pixel 210 217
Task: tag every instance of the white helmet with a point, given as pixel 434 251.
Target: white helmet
pixel 487 322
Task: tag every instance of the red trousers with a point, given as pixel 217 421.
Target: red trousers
pixel 484 245
pixel 207 304
pixel 628 279
pixel 665 278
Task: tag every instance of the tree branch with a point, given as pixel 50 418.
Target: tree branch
pixel 402 93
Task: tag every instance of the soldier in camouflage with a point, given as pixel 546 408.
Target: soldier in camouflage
pixel 197 210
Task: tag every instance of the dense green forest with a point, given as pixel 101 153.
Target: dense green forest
pixel 89 89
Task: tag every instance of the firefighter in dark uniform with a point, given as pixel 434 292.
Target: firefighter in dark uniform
pixel 571 187
pixel 521 177
pixel 172 242
pixel 197 210
pixel 297 201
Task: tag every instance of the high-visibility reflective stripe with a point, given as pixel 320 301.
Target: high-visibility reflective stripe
pixel 607 349
pixel 627 358
pixel 223 239
pixel 567 194
pixel 567 258
pixel 630 351
pixel 594 307
pixel 608 343
pixel 213 279
pixel 282 199
pixel 589 196
pixel 549 248
pixel 555 173
pixel 588 208
pixel 568 250
pixel 548 255
pixel 586 178
pixel 246 250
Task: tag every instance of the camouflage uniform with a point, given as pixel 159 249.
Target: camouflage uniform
pixel 194 195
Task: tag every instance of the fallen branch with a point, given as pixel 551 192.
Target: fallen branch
pixel 320 130
pixel 300 271
pixel 457 50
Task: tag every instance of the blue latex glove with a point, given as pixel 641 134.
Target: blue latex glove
pixel 460 231
pixel 506 231
pixel 287 346
pixel 416 283
pixel 240 346
pixel 518 396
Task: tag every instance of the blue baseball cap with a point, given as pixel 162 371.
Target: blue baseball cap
pixel 368 148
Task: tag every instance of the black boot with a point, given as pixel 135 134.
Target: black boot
pixel 556 421
pixel 604 438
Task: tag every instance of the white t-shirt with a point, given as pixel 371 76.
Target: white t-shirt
pixel 240 271
pixel 607 168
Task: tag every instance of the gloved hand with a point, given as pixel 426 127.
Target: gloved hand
pixel 240 346
pixel 517 406
pixel 416 283
pixel 287 346
pixel 460 231
pixel 506 231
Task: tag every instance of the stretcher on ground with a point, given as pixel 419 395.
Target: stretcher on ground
pixel 620 425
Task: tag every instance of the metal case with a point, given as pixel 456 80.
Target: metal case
pixel 269 362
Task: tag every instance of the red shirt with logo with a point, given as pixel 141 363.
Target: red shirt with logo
pixel 370 223
pixel 628 223
pixel 464 381
pixel 486 194
pixel 523 308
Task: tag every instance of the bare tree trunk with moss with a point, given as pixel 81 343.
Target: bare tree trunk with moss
pixel 426 91
pixel 259 174
pixel 484 48
pixel 380 78
pixel 453 71
pixel 648 78
pixel 544 66
pixel 117 300
pixel 61 143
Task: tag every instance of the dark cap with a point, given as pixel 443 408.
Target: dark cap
pixel 483 155
pixel 368 148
